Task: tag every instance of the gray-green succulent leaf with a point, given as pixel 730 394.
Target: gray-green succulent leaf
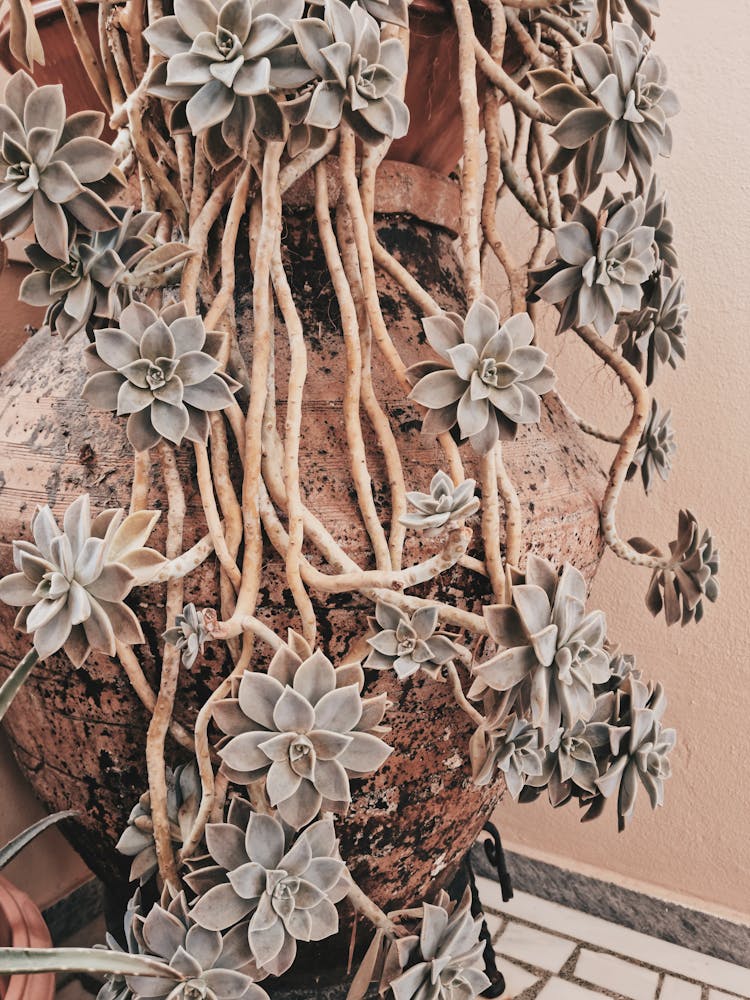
pixel 358 77
pixel 183 801
pixel 619 119
pixel 48 163
pixel 306 729
pixel 492 380
pixel 689 576
pixel 72 581
pixel 89 289
pixel 655 449
pixel 287 887
pixel 408 643
pixel 551 651
pixel 162 372
pixel 600 265
pixel 444 505
pixel 444 960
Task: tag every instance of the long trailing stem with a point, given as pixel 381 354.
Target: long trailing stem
pixel 513 514
pixel 631 379
pixel 159 725
pixel 491 526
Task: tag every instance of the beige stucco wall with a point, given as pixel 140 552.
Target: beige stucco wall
pixel 697 845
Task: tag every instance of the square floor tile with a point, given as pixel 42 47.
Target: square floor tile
pixel 537 948
pixel 678 989
pixel 517 980
pixel 617 975
pixel 556 989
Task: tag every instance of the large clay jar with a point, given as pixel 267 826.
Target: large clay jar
pixel 79 735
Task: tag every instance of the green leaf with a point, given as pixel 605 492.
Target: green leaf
pixel 16 961
pixel 18 843
pixel 14 681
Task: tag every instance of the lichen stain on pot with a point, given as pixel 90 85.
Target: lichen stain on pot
pixel 79 735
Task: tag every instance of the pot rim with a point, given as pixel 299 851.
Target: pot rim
pixel 401 188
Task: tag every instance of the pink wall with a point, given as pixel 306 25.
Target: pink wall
pixel 697 845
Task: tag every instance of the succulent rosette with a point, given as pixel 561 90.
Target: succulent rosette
pixel 655 450
pixel 511 746
pixel 199 964
pixel 444 505
pixel 72 581
pixel 552 651
pixel 689 577
pixel 305 727
pixel 408 643
pixel 287 888
pixel 160 370
pixel 358 77
pixel 223 62
pixel 189 634
pixel 90 288
pixel 621 117
pixel 492 381
pixel 643 756
pixel 656 334
pixel 599 266
pixel 48 164
pixel 445 961
pixel 183 801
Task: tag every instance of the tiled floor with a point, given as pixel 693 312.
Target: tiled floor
pixel 549 952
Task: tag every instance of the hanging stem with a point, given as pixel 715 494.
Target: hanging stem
pixel 88 56
pixel 629 442
pixel 491 526
pixel 159 725
pixel 513 515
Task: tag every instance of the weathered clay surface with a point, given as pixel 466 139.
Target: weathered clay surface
pixel 79 735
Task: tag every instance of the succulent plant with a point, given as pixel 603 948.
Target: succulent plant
pixel 619 120
pixel 214 967
pixel 601 263
pixel 657 445
pixel 304 726
pixel 568 761
pixel 162 371
pixel 643 12
pixel 358 76
pixel 552 652
pixel 512 747
pixel 645 756
pixel 289 890
pixel 680 587
pixel 445 961
pixel 71 583
pixel 621 667
pixel 47 165
pixel 492 381
pixel 655 334
pixel 223 62
pixel 189 634
pixel 183 800
pixel 408 643
pixel 90 288
pixel 445 504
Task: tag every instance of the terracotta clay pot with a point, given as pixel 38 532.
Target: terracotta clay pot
pixel 22 926
pixel 79 735
pixel 62 62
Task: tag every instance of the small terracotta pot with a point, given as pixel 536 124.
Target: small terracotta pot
pixel 62 62
pixel 22 926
